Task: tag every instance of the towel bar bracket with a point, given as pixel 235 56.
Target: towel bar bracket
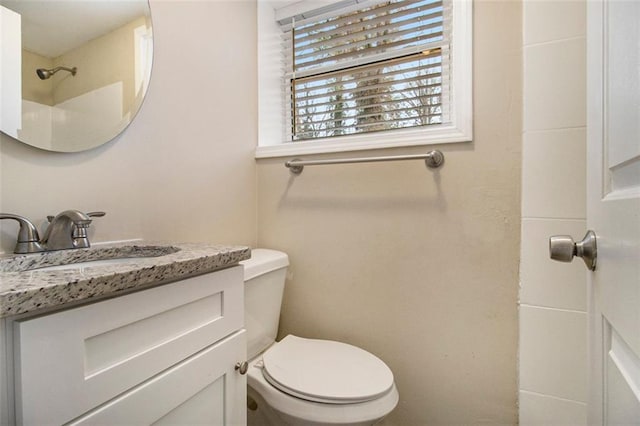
pixel 435 159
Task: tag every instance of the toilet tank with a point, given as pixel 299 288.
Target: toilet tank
pixel 264 277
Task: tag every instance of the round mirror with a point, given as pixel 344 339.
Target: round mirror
pixel 73 73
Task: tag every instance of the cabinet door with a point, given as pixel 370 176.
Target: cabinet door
pixel 203 390
pixel 70 362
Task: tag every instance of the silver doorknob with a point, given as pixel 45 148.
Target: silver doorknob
pixel 242 367
pixel 562 248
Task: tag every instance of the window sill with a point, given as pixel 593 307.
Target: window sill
pixel 394 139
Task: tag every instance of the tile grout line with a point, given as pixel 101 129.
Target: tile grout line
pixel 548 308
pixel 559 40
pixel 553 396
pixel 576 219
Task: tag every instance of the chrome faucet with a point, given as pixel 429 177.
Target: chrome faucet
pixel 67 230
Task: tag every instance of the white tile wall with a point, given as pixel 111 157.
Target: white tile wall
pixel 554 85
pixel 553 173
pixel 547 21
pixel 553 319
pixel 545 282
pixel 536 409
pixel 553 352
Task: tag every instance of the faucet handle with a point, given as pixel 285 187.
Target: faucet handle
pixel 79 235
pixel 96 214
pixel 28 238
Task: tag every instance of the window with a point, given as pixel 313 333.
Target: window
pixel 361 74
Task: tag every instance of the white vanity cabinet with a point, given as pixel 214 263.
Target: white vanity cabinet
pixel 165 355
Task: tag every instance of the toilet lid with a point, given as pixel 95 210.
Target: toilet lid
pixel 325 371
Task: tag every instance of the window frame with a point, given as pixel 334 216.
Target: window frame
pixel 271 124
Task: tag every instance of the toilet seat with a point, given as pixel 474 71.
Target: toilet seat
pixel 326 371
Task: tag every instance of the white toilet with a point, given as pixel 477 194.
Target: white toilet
pixel 304 381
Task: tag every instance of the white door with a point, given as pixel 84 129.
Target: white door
pixel 613 209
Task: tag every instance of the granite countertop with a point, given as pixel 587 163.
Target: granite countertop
pixel 24 289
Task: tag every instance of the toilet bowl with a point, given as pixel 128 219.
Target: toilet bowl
pixel 300 381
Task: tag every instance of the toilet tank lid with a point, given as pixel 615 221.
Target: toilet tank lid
pixel 263 261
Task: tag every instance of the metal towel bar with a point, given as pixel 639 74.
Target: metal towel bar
pixel 433 160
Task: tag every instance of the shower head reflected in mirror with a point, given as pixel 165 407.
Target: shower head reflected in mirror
pixel 45 74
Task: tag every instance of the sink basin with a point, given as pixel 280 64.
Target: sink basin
pixel 84 258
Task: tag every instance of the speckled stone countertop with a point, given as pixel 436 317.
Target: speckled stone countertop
pixel 26 289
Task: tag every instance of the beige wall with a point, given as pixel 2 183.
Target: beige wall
pixel 420 268
pixel 184 170
pixel 553 313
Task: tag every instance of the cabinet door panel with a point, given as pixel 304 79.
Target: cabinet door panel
pixel 204 408
pixel 69 362
pixel 204 389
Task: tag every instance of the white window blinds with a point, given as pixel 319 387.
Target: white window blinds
pixel 376 66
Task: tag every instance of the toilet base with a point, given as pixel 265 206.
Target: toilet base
pixel 259 413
